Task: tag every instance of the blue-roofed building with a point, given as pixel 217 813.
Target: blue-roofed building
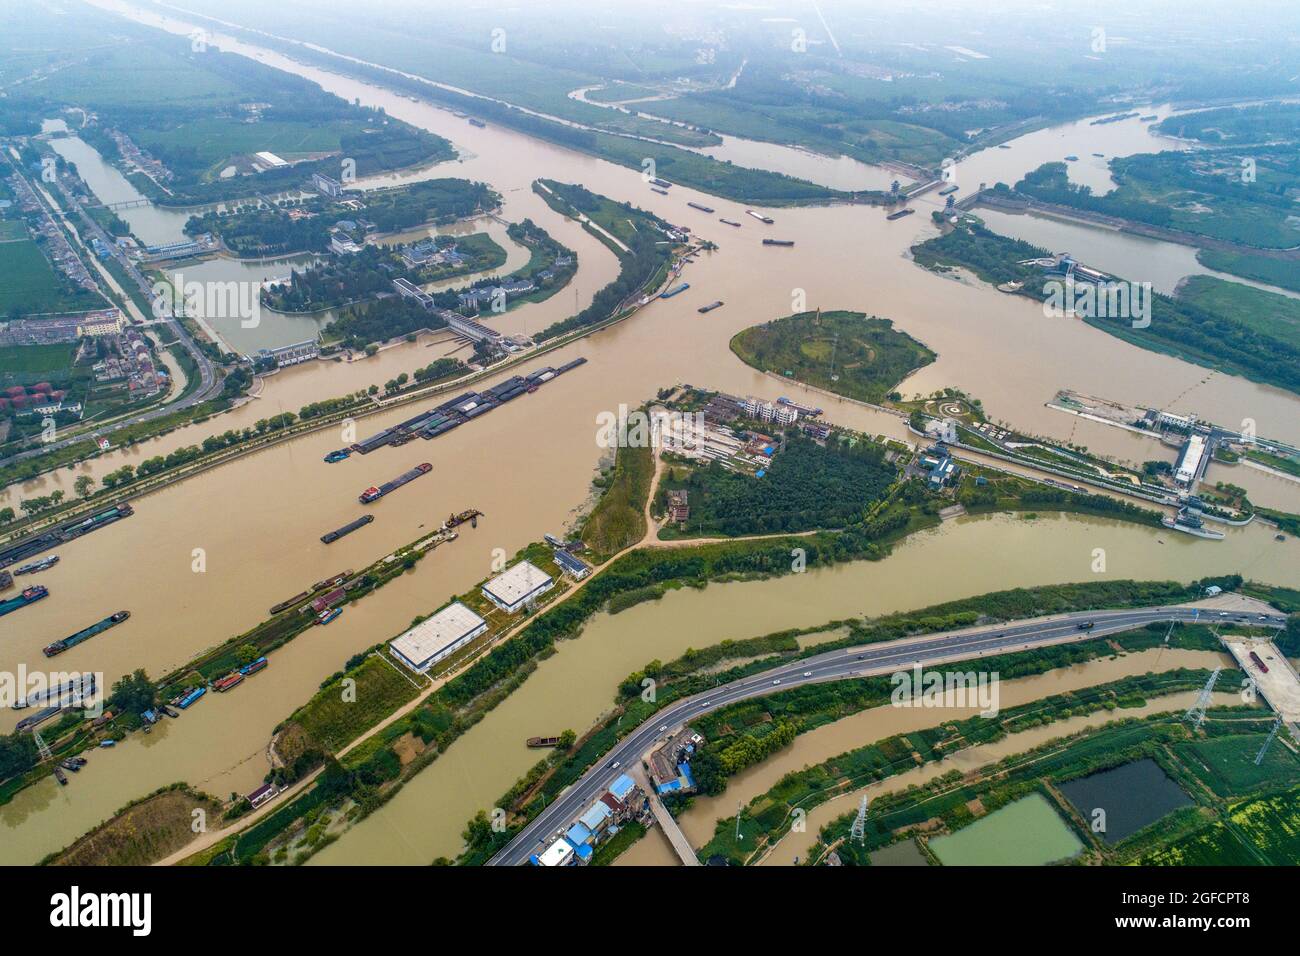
pixel 622 788
pixel 571 565
pixel 596 818
pixel 578 835
pixel 584 853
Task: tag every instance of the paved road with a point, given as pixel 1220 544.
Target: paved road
pixel 869 659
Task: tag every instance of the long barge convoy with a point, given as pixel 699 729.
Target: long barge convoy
pixel 68 531
pixel 375 493
pixel 85 634
pixel 330 537
pixel 69 693
pixel 463 408
pixel 29 596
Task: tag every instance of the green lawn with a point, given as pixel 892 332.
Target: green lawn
pixel 1227 764
pixel 36 358
pixel 334 721
pixel 28 283
pixel 1267 312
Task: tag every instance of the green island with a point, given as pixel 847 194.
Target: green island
pixel 844 352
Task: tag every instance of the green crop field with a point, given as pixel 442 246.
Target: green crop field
pixel 1266 312
pixel 332 721
pixel 35 358
pixel 1227 764
pixel 28 283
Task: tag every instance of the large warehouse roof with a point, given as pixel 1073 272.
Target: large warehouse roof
pixel 514 584
pixel 430 637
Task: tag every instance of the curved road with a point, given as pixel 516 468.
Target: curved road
pixel 871 659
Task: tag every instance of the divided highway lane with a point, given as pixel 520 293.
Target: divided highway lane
pixel 863 661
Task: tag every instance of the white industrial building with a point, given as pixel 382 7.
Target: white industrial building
pixel 1189 462
pixel 517 586
pixel 437 637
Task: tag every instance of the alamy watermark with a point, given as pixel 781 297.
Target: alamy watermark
pixel 946 689
pixel 1112 299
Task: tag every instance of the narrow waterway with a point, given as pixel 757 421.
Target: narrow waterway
pixel 795 847
pixel 878 723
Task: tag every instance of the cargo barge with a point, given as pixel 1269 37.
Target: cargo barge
pixel 473 121
pixel 330 537
pixel 285 605
pixel 6 580
pixel 228 682
pixel 900 214
pixel 42 565
pixel 537 742
pixel 185 702
pixel 947 189
pixel 710 307
pixel 778 242
pixel 374 494
pixel 252 668
pixel 332 581
pixel 729 222
pixel 326 616
pixel 656 189
pixel 337 455
pixel 805 410
pixel 761 218
pixel 668 294
pixel 29 596
pixel 69 531
pixel 700 206
pixel 85 634
pixel 661 183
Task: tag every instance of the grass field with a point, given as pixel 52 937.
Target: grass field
pixel 35 358
pixel 1278 272
pixel 619 517
pixel 11 229
pixel 28 283
pixel 333 721
pixel 141 834
pixel 1267 312
pixel 843 352
pixel 1227 764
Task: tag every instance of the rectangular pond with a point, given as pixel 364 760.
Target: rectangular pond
pixel 1028 832
pixel 1126 798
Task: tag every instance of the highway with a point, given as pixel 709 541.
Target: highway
pixel 867 660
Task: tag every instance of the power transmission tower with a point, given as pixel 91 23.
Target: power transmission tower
pixel 41 746
pixel 1259 757
pixel 1202 700
pixel 859 829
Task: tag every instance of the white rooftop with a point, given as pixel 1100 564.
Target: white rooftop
pixel 515 583
pixel 433 635
pixel 557 854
